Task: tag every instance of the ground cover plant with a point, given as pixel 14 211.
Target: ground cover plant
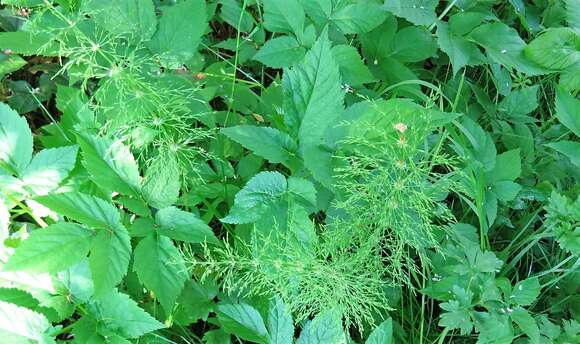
pixel 289 171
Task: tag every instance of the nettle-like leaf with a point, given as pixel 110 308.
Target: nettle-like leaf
pixel 15 140
pixel 525 292
pixel 358 17
pixel 420 12
pixel 568 111
pixel 280 323
pixel 461 51
pixel 179 33
pixel 183 226
pixel 48 169
pixel 314 104
pixel 22 325
pixel 133 17
pixel 382 334
pixel 242 320
pixel 556 49
pixel 326 327
pixel 284 16
pixel 283 51
pixel 52 249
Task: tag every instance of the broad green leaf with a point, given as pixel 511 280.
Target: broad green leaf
pixel 183 226
pixel 283 51
pixel 325 328
pixel 493 328
pixel 255 198
pixel 461 52
pixel 506 190
pixel 420 12
pixel 413 44
pixel 48 169
pixel 51 249
pixel 109 258
pixel 358 17
pixel 242 320
pixel 162 182
pixel 568 110
pixel 27 43
pixel 180 29
pixel 456 317
pixel 571 149
pixel 78 280
pixel 352 69
pixel 87 209
pixel 269 143
pixel 160 268
pixel 231 11
pixel 280 323
pixel 284 16
pixel 508 166
pixel 117 312
pixel 4 221
pixel 195 302
pixel 10 63
pixel 383 334
pixel 504 46
pixel 133 17
pixel 19 325
pixel 15 140
pixel 526 292
pixel 573 13
pixel 526 323
pixel 556 49
pixel 520 102
pixel 110 164
pixel 314 103
pixel 217 337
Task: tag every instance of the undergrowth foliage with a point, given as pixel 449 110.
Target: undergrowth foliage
pixel 289 171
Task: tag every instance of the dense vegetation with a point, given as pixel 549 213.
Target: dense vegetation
pixel 280 171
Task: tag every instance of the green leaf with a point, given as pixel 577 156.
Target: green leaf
pixel 15 140
pixel 570 149
pixel 231 11
pixel 325 328
pixel 162 182
pixel 109 258
pixel 556 49
pixel 283 51
pixel 4 221
pixel 242 320
pixel 352 69
pixel 19 325
pixel 383 334
pixel 461 52
pixel 180 29
pixel 49 168
pixel 456 317
pixel 520 102
pixel 504 46
pixel 284 16
pixel 506 190
pixel 573 13
pixel 117 312
pixel 110 164
pixel 358 17
pixel 51 249
pixel 568 110
pixel 280 323
pixel 269 143
pixel 413 44
pixel 526 323
pixel 27 43
pixel 419 12
pixel 10 63
pixel 314 103
pixel 184 226
pixel 89 210
pixel 160 268
pixel 255 198
pixel 526 292
pixel 133 17
pixel 508 166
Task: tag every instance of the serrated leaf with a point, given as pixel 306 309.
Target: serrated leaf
pixel 15 140
pixel 382 334
pixel 570 149
pixel 506 190
pixel 48 169
pixel 162 182
pixel 461 52
pixel 269 143
pixel 352 69
pixel 508 166
pixel 117 312
pixel 525 292
pixel 19 325
pixel 160 268
pixel 242 320
pixel 4 221
pixel 254 199
pixel 555 49
pixel 133 17
pixel 87 209
pixel 180 29
pixel 231 13
pixel 358 17
pixel 456 317
pixel 520 102
pixel 283 51
pixel 280 323
pixel 184 226
pixel 51 249
pixel 568 110
pixel 413 44
pixel 111 164
pixel 325 328
pixel 526 323
pixel 109 259
pixel 284 16
pixel 10 63
pixel 314 103
pixel 420 12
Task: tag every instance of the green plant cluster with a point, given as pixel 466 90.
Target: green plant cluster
pixel 289 171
